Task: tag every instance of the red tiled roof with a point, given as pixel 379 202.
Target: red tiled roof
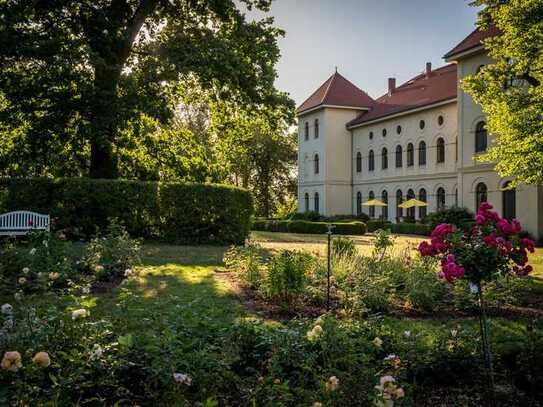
pixel 473 40
pixel 441 85
pixel 337 91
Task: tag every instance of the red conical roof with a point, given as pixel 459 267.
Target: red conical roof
pixel 337 91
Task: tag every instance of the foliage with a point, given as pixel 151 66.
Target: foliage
pixel 41 263
pixel 101 65
pixel 459 217
pixel 343 247
pixel 382 243
pixel 510 89
pixel 113 255
pixel 480 254
pixel 173 211
pixel 286 209
pixel 312 216
pixel 248 262
pixel 301 226
pixel 287 275
pixel 376 224
pixel 411 229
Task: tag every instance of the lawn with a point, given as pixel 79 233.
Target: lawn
pixel 179 313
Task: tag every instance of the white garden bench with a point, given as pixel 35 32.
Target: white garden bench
pixel 19 223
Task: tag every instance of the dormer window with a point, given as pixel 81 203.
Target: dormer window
pixel 316 128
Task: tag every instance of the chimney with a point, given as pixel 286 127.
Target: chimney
pixel 391 85
pixel 428 69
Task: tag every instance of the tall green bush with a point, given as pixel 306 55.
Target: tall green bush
pixel 177 212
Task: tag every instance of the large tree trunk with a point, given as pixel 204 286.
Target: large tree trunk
pixel 104 108
pixel 104 123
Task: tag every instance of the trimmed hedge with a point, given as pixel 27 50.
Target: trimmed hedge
pixel 172 211
pixel 411 229
pixel 376 224
pixel 303 226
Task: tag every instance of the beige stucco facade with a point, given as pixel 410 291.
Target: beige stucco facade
pixel 342 184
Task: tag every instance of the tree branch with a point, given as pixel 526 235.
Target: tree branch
pixel 145 8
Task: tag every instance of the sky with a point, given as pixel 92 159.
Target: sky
pixel 368 40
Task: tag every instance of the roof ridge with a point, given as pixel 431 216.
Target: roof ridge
pixel 333 78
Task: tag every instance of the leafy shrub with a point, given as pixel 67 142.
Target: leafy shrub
pixel 248 262
pixel 174 211
pixel 301 226
pixel 460 217
pixel 287 274
pixel 411 229
pixel 423 290
pixel 376 224
pixel 38 263
pixel 342 247
pixel 113 255
pixel 311 216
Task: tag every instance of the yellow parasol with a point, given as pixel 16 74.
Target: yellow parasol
pixel 412 203
pixel 374 202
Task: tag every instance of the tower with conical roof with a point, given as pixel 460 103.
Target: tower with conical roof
pixel 324 161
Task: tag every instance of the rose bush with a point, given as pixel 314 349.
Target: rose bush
pixel 492 247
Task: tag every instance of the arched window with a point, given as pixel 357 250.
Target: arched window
pixel 410 155
pixel 422 153
pixel 384 158
pixel 372 208
pixel 359 203
pixel 399 200
pixel 358 162
pixel 481 194
pixel 480 137
pixel 509 198
pixel 384 209
pixel 440 147
pixel 371 161
pixel 440 198
pixel 316 163
pixel 306 198
pixel 316 128
pixel 399 154
pixel 422 209
pixel 306 132
pixel 316 202
pixel 410 211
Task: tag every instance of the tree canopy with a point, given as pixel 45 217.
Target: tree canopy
pixel 85 84
pixel 510 91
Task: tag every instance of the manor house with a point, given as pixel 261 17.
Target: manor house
pixel 419 140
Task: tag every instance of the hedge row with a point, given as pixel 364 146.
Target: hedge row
pixel 411 229
pixel 171 211
pixel 303 226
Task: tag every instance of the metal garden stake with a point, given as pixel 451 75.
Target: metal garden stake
pixel 329 234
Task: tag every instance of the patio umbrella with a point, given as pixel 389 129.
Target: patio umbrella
pixel 374 202
pixel 412 203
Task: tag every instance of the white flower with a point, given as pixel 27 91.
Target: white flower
pixel 79 313
pixel 22 280
pixel 33 251
pixel 7 309
pixel 332 384
pixel 26 270
pixel 390 357
pixel 378 342
pixel 386 379
pixel 315 333
pixel 96 352
pixel 454 332
pixel 85 290
pixel 407 334
pixel 128 272
pixel 18 296
pixel 45 243
pixel 182 378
